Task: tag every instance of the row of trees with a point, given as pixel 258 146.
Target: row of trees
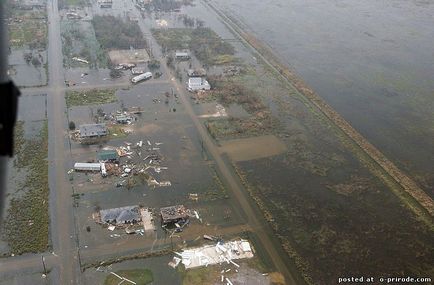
pixel 114 33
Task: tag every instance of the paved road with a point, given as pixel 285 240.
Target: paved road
pixel 63 88
pixel 61 212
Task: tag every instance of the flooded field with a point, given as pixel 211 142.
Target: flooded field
pixel 28 40
pixel 372 70
pixel 26 212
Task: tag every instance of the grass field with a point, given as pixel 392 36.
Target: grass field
pixel 28 29
pixel 26 226
pixel 140 276
pixel 91 97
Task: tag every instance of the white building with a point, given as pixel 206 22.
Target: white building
pixel 182 55
pixel 81 166
pixel 197 83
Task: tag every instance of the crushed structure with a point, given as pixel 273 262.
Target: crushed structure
pixel 221 252
pixel 174 214
pixel 200 72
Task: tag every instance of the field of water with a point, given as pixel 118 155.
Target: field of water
pixel 371 60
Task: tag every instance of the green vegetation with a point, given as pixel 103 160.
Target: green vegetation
pixel 28 29
pixel 71 125
pixel 154 64
pixel 90 97
pixel 216 191
pixel 199 276
pixel 80 41
pixel 115 33
pixel 207 46
pixel 140 276
pixel 26 224
pixel 329 228
pixel 19 142
pixel 117 131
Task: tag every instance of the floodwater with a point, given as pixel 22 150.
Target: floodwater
pixel 371 60
pixel 24 74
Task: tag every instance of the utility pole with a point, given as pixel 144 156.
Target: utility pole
pixel 43 264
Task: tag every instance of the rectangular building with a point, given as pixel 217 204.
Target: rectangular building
pixel 82 166
pixel 197 83
pixel 108 155
pixel 93 130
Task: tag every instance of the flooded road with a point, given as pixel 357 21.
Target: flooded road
pixel 372 61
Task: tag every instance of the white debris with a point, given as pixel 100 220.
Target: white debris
pixel 165 183
pixel 196 214
pixel 111 228
pixel 80 60
pixel 210 254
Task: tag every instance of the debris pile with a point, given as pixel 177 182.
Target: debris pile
pixel 218 253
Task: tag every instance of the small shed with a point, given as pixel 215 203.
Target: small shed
pixel 108 155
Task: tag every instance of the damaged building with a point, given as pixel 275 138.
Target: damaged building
pixel 93 131
pixel 174 214
pixel 121 216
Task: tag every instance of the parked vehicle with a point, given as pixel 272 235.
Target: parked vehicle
pixel 141 77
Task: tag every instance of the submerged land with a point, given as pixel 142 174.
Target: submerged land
pixel 259 159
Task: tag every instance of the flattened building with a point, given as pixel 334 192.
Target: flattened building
pixel 174 214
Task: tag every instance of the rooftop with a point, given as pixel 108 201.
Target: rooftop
pixel 108 155
pixel 92 130
pixel 122 215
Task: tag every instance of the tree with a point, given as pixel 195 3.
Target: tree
pixel 71 125
pixel 114 73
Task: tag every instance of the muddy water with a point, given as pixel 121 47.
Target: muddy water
pixel 371 60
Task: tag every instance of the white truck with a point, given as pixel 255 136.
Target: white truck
pixel 141 77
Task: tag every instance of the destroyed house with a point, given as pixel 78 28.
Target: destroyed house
pixel 119 216
pixel 122 119
pixel 108 155
pixel 196 72
pixel 93 130
pixel 174 214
